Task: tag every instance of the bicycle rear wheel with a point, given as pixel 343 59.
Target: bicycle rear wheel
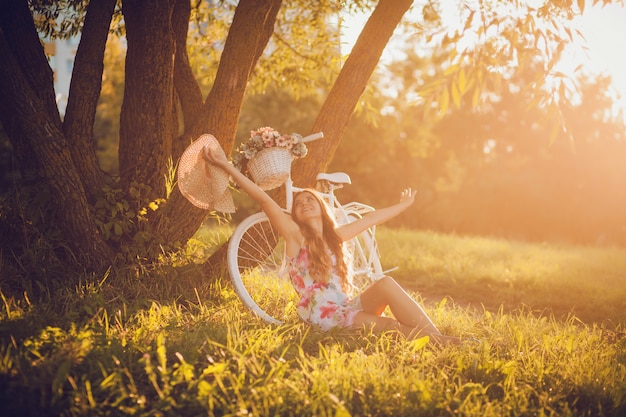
pixel 258 270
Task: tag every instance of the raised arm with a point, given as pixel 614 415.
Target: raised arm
pixel 350 230
pixel 282 221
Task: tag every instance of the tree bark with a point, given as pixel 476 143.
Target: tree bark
pixel 341 101
pixel 84 92
pixel 187 88
pixel 24 46
pixel 47 145
pixel 338 107
pixel 156 70
pixel 250 32
pixel 146 129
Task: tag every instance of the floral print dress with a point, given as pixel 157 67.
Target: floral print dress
pixel 325 305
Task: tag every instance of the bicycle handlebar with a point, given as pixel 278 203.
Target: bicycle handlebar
pixel 312 137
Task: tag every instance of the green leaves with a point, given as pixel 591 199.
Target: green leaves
pixel 496 41
pixel 124 218
pixel 59 19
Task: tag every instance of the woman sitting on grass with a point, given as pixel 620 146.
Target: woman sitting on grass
pixel 318 269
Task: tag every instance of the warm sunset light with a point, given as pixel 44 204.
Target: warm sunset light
pixel 568 145
pixel 604 28
pixel 598 53
pixel 174 242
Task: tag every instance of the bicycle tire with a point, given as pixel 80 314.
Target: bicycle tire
pixel 257 269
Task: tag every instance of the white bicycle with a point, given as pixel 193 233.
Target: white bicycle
pixel 256 256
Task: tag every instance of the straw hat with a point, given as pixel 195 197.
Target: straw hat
pixel 204 185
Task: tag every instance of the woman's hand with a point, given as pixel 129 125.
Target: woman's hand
pixel 408 196
pixel 214 156
pixel 378 216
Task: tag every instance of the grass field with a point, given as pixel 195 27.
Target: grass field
pixel 585 281
pixel 165 341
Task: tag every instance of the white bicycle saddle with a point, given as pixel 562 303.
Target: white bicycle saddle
pixel 335 177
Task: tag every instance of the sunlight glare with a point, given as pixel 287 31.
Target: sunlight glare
pixel 604 29
pixel 599 53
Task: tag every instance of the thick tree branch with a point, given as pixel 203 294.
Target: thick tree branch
pixel 343 97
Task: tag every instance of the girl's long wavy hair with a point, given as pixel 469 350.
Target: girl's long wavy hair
pixel 320 259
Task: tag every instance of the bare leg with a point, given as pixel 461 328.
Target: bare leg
pixel 387 292
pixel 382 324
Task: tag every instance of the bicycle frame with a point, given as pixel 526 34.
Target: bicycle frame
pixel 368 257
pixel 257 261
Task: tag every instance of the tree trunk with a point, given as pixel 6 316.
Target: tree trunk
pixel 24 46
pixel 157 74
pixel 146 129
pixel 26 100
pixel 341 101
pixel 84 92
pixel 187 88
pixel 347 89
pixel 249 33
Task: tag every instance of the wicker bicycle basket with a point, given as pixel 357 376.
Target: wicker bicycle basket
pixel 270 167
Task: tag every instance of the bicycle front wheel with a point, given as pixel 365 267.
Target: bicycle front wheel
pixel 258 270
